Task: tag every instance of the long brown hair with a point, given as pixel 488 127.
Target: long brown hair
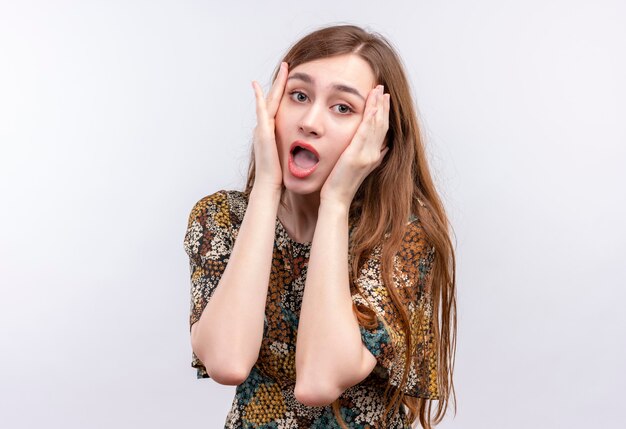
pixel 400 186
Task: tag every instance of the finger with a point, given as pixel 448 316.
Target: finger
pixel 374 117
pixel 382 117
pixel 380 114
pixel 260 101
pixel 277 90
pixel 367 125
pixel 387 105
pixel 370 104
pixel 385 111
pixel 369 117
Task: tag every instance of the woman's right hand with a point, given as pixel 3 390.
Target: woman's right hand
pixel 267 165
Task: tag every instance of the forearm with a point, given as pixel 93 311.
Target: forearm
pixel 329 345
pixel 228 335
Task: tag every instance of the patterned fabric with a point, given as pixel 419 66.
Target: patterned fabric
pixel 266 398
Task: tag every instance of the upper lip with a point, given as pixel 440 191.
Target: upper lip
pixel 304 145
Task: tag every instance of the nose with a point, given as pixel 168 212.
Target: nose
pixel 312 120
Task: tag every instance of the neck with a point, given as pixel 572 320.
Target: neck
pixel 300 215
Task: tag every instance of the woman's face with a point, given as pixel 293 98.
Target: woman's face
pixel 320 111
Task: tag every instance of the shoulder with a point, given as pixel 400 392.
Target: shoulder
pixel 414 238
pixel 212 223
pixel 416 254
pixel 223 208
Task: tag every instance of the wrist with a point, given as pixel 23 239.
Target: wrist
pixel 266 193
pixel 334 207
pixel 343 199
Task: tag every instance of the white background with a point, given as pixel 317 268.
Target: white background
pixel 117 116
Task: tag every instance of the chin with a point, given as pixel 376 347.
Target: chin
pixel 300 187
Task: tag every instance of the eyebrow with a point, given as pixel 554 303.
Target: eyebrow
pixel 338 87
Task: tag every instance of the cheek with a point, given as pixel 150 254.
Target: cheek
pixel 341 142
pixel 347 133
pixel 282 114
pixel 341 136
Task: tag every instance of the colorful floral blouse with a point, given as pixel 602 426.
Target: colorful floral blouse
pixel 266 398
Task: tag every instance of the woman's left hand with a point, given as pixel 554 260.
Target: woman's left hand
pixel 364 153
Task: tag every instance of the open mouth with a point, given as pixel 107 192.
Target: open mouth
pixel 303 159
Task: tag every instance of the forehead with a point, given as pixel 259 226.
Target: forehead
pixel 349 69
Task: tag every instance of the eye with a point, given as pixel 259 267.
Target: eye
pixel 298 96
pixel 344 109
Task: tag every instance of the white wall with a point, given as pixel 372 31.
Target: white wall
pixel 116 117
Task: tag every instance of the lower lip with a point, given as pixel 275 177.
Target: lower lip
pixel 298 172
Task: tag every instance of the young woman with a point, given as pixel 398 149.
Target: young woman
pixel 326 289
